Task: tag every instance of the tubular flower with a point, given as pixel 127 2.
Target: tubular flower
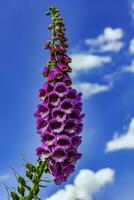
pixel 58 116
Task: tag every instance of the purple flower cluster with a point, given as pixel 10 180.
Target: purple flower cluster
pixel 59 123
pixel 58 117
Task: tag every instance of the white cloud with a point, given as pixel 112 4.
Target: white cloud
pixel 83 62
pixel 4 177
pixel 109 40
pixel 131 47
pixel 90 89
pixel 132 8
pixel 112 46
pixel 129 68
pixel 124 141
pixel 85 185
pixel 109 34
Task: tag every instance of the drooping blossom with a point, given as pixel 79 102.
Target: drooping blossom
pixel 58 116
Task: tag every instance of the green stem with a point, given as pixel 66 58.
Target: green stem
pixel 31 194
pixel 53 25
pixel 53 32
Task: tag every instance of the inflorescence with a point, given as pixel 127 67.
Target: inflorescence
pixel 58 116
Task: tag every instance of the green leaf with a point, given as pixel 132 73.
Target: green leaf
pixel 52 8
pixel 36 190
pixel 31 167
pixel 47 13
pixel 35 179
pixel 14 196
pixel 29 175
pixel 21 190
pixel 43 186
pixel 28 187
pixel 21 180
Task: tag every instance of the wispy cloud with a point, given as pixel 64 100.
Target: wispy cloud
pixel 83 62
pixel 85 185
pixel 124 141
pixel 132 9
pixel 108 41
pixel 131 46
pixel 129 68
pixel 4 177
pixel 90 89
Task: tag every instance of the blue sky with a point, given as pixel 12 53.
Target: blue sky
pixel 105 75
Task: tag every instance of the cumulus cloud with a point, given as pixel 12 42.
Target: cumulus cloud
pixel 90 89
pixel 131 47
pixel 4 177
pixel 129 68
pixel 108 41
pixel 84 62
pixel 124 141
pixel 85 185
